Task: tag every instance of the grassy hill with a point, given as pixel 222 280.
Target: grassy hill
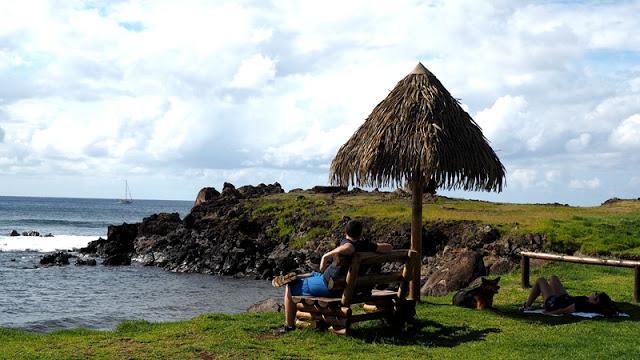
pixel 612 229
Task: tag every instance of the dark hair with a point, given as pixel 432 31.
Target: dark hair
pixel 353 229
pixel 605 305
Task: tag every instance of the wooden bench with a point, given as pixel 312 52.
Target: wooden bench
pixel 336 313
pixel 526 255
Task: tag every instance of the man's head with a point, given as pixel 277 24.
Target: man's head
pixel 353 229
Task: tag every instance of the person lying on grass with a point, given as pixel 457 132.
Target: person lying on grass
pixel 315 283
pixel 556 300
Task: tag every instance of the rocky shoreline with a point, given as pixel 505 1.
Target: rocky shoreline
pixel 224 235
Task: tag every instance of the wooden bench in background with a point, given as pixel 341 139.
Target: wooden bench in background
pixel 336 313
pixel 526 255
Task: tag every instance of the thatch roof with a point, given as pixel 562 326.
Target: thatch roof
pixel 419 128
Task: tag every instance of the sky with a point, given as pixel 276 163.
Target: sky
pixel 177 95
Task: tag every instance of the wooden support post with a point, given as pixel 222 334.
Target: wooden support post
pixel 352 276
pixel 524 267
pixel 416 235
pixel 636 285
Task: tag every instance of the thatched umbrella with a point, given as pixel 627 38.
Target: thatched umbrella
pixel 418 133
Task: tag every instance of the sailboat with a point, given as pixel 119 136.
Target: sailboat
pixel 127 195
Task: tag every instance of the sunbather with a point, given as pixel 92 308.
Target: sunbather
pixel 315 283
pixel 556 300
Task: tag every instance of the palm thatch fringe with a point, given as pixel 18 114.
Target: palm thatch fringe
pixel 419 131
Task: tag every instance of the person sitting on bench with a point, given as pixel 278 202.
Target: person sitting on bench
pixel 315 283
pixel 556 300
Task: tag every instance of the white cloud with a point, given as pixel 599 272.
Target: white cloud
pixel 522 178
pixel 585 184
pixel 240 89
pixel 508 125
pixel 627 134
pixel 552 175
pixel 254 72
pixel 578 143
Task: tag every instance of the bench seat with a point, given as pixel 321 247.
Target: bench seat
pixel 335 313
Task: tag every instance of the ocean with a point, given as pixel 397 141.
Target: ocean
pixel 44 299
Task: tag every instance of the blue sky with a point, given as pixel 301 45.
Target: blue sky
pixel 174 96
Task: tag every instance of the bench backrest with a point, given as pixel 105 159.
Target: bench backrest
pixel 355 281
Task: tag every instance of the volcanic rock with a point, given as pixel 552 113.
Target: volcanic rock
pixel 159 224
pixel 58 258
pixel 230 191
pixel 266 305
pixel 206 194
pixel 249 191
pixel 502 266
pixel 14 233
pixel 117 259
pixel 87 262
pixel 457 269
pixel 328 189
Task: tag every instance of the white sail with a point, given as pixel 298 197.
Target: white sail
pixel 127 194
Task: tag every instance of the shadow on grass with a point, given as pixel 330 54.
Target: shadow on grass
pixel 513 313
pixel 422 332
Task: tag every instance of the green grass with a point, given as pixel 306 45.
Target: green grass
pixel 443 331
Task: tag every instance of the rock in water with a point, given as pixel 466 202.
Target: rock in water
pixel 265 305
pixel 117 260
pixel 87 262
pixel 58 258
pixel 14 233
pixel 117 248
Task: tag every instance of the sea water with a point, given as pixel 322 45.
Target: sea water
pixel 41 298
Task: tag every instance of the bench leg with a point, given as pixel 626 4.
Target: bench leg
pixel 524 267
pixel 636 285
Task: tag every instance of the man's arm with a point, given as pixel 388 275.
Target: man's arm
pixel 345 249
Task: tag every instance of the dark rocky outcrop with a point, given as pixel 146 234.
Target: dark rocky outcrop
pixel 328 189
pixel 14 233
pixel 249 191
pixel 206 194
pixel 223 234
pixel 611 201
pixel 117 260
pixel 57 258
pixel 159 224
pixel 86 262
pixel 119 245
pixel 30 233
pixel 455 269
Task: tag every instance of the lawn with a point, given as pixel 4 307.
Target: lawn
pixel 442 331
